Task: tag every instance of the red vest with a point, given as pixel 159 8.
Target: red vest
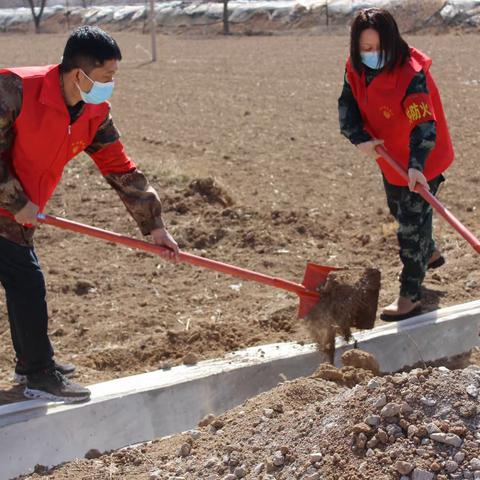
pixel 390 116
pixel 45 141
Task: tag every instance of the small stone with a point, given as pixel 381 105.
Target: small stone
pixel 184 450
pixel 315 457
pixel 435 467
pixel 475 464
pixel 419 474
pixel 268 412
pixel 381 401
pixel 476 475
pixel 211 462
pixel 240 472
pixel 451 466
pixel 258 469
pixel 370 453
pixel 428 402
pixel 361 428
pixel 390 410
pixel 278 459
pixel 190 359
pixel 230 476
pixel 406 409
pixel 459 457
pixel 460 430
pixel 361 441
pixel 93 453
pixel 218 424
pixel 404 468
pixel 373 420
pixel 155 475
pixel 373 384
pixel 447 439
pixel 382 435
pixel 432 428
pixel 472 390
pixel 270 467
pixel 394 430
pixel 372 443
pixel 412 431
pixel 207 420
pixel 195 434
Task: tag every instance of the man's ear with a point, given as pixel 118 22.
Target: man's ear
pixel 78 75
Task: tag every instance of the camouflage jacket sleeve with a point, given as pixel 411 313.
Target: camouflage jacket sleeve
pixel 12 195
pixel 351 122
pixel 121 173
pixel 424 135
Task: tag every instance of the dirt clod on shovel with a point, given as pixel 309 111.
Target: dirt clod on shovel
pixel 348 299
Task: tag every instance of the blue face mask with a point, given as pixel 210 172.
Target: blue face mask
pixel 372 60
pixel 99 93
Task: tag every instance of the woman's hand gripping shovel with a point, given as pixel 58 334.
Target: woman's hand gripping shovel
pixel 432 200
pixel 315 275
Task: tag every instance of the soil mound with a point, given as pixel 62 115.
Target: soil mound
pixel 424 424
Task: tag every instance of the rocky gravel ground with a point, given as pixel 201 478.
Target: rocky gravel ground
pixel 339 424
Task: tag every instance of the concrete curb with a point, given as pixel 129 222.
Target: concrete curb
pixel 147 406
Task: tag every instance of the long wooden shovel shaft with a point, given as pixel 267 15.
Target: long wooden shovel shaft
pixel 184 257
pixel 434 202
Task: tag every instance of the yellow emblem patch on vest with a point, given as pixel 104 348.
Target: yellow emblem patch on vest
pixel 78 146
pixel 387 112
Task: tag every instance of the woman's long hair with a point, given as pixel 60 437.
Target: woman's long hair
pixel 393 48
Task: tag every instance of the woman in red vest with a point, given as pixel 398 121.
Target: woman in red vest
pixel 389 98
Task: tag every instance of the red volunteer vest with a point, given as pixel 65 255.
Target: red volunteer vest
pixel 45 141
pixel 389 115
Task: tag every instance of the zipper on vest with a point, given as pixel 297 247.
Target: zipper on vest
pixel 69 130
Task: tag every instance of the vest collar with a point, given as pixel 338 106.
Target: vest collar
pixel 51 95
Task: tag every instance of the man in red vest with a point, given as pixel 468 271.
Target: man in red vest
pixel 48 115
pixel 389 97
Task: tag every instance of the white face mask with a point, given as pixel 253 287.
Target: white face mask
pixel 99 93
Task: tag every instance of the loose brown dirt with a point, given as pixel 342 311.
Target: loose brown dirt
pixel 240 137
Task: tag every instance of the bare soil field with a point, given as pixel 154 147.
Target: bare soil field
pixel 240 137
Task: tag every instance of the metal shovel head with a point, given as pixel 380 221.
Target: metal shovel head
pixel 315 276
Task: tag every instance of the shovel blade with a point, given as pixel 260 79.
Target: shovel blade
pixel 307 303
pixel 315 275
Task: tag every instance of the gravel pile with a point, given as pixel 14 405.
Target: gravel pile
pixel 339 424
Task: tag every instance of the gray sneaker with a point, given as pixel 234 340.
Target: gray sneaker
pixel 20 374
pixel 52 385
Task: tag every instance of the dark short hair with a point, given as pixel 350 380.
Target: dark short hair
pixel 87 48
pixel 393 48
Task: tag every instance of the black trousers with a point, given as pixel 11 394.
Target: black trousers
pixel 24 284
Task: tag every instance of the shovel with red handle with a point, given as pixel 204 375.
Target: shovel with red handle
pixel 432 200
pixel 315 275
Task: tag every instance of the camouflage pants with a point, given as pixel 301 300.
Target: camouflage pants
pixel 414 217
